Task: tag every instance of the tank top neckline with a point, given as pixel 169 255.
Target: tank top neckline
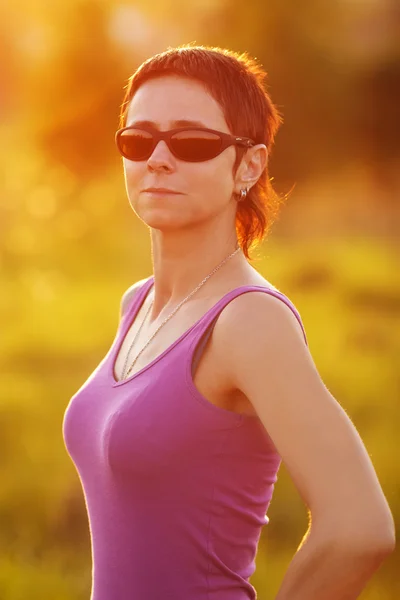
pixel 131 316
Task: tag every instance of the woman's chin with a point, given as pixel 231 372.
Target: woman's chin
pixel 160 220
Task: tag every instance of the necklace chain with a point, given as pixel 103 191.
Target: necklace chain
pixel 125 375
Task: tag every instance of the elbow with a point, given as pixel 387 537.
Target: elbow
pixel 382 539
pixel 376 542
pixel 379 540
pixel 378 546
pixel 386 545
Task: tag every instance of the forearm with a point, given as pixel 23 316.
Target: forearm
pixel 322 571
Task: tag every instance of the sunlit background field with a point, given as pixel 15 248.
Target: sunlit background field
pixel 70 245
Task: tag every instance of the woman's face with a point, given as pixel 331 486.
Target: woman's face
pixel 205 187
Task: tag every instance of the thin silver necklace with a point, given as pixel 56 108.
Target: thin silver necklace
pixel 125 375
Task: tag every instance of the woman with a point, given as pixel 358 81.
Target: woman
pixel 179 433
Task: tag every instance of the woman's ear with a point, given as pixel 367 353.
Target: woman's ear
pixel 253 164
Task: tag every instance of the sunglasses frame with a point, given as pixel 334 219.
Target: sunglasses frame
pixel 226 139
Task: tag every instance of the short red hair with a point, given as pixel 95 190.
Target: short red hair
pixel 236 82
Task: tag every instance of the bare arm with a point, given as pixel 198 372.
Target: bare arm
pixel 351 528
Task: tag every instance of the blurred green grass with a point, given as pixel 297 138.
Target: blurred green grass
pixel 56 331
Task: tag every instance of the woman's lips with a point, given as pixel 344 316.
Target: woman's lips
pixel 160 193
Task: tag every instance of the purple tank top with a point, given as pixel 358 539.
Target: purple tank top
pixel 176 488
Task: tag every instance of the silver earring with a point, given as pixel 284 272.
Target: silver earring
pixel 243 194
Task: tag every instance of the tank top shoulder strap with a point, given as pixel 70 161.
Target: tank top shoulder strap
pixel 138 298
pixel 203 326
pixel 146 286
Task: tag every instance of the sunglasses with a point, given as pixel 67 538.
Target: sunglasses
pixel 189 144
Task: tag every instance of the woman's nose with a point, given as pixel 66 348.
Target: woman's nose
pixel 161 156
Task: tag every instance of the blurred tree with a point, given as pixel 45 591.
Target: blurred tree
pixel 79 93
pixel 377 125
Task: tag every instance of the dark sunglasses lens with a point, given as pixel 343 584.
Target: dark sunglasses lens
pixel 135 144
pixel 194 146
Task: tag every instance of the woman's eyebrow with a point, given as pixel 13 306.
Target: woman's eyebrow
pixel 178 123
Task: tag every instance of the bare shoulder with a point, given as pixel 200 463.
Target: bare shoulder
pixel 258 340
pixel 129 294
pixel 255 324
pixel 260 312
